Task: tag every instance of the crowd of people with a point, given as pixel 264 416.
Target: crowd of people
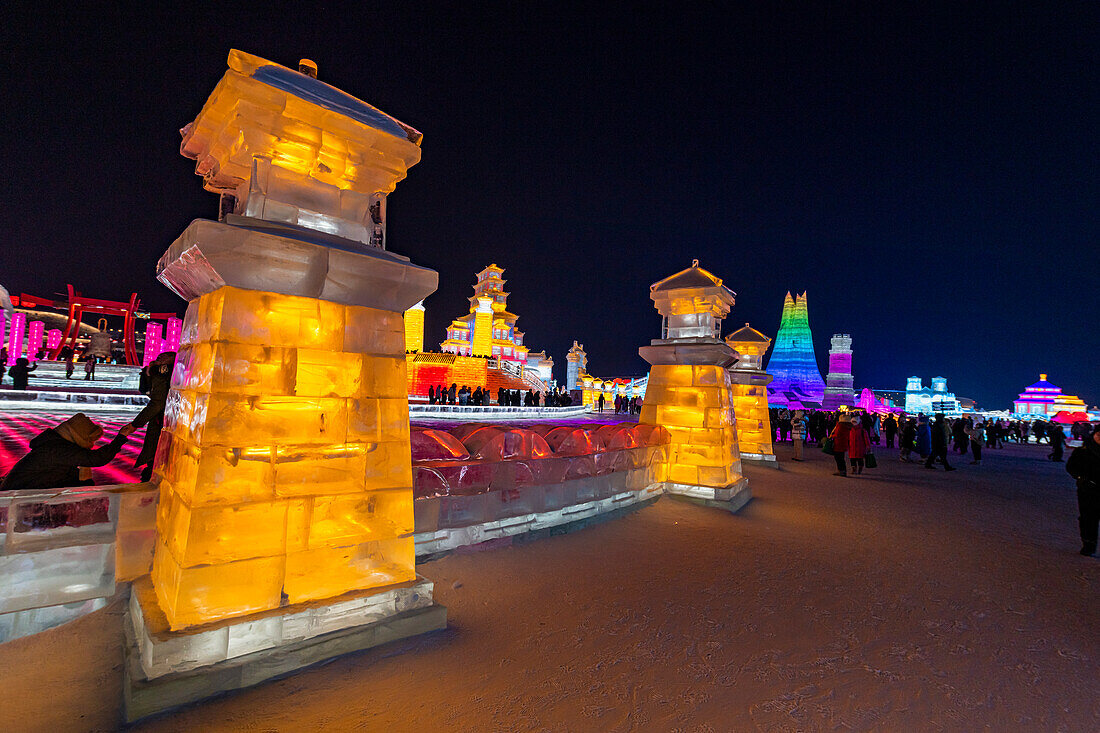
pixel 851 437
pixel 455 395
pixel 623 405
pixel 21 370
pixel 930 438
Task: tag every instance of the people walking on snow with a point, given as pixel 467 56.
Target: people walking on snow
pixel 1084 465
pixel 890 427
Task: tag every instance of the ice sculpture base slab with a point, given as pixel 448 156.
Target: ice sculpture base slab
pixel 166 669
pixel 766 459
pixel 731 498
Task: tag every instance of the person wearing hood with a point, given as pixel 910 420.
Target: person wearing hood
pixel 156 380
pixel 58 456
pixel 1084 465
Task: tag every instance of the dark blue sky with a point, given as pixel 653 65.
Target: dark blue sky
pixel 927 172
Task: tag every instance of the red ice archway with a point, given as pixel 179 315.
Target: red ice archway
pixel 76 308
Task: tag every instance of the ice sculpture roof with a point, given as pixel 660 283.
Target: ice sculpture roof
pixel 1043 384
pixel 692 277
pixel 323 95
pixel 748 333
pixel 308 129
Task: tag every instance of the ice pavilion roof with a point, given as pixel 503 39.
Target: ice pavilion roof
pixel 692 277
pixel 1042 384
pixel 748 333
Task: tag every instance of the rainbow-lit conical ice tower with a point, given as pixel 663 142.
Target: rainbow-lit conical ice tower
pixel 796 379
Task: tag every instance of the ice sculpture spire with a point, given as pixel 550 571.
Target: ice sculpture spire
pixel 797 381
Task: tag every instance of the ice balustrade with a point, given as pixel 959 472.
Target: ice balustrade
pixel 517 471
pixel 65 546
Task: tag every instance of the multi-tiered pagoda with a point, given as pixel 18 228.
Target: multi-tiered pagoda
pixel 488 329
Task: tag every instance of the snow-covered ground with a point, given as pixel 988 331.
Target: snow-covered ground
pixel 902 600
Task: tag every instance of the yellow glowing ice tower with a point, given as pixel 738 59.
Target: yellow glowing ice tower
pixel 285 464
pixel 689 391
pixel 749 383
pixel 414 328
pixel 483 328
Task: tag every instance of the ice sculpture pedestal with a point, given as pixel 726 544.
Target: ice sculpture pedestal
pixel 165 669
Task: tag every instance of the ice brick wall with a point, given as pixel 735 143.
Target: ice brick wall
pixel 694 404
pixel 286 472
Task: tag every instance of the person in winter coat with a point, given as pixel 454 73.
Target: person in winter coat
pixel 908 439
pixel 21 373
pixel 840 445
pixel 798 434
pixel 859 442
pixel 1084 465
pixel 156 380
pixel 1057 441
pixel 924 437
pixel 59 455
pixel 890 427
pixel 939 445
pixel 977 440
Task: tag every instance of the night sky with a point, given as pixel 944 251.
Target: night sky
pixel 927 174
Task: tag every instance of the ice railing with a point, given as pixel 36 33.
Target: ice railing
pixel 68 545
pixel 521 372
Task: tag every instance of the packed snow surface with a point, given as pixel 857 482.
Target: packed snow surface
pixel 905 599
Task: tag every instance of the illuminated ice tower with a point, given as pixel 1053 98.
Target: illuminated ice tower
pixel 284 466
pixel 576 363
pixel 749 383
pixel 414 328
pixel 839 381
pixel 689 391
pixel 796 380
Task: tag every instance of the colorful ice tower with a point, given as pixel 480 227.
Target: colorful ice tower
pixel 839 389
pixel 284 465
pixel 689 391
pixel 576 362
pixel 749 383
pixel 796 380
